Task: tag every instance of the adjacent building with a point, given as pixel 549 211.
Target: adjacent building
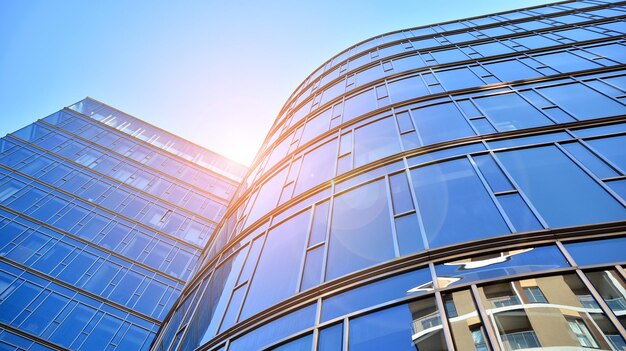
pixel 454 186
pixel 102 221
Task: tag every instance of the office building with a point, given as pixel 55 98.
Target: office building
pixel 453 186
pixel 102 220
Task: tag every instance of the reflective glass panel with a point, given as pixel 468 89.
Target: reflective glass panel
pixel 410 327
pixel 454 204
pixel 372 294
pixel 560 191
pixel 569 319
pixel 356 244
pixel 282 253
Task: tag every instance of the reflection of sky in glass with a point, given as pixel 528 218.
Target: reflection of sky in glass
pixel 499 265
pixel 193 68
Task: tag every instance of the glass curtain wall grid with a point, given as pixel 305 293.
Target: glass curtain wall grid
pixel 102 221
pixel 458 186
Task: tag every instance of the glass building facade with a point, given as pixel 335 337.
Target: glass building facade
pixel 458 186
pixel 102 221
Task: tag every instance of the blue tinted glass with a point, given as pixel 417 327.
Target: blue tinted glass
pixel 301 344
pixel 593 131
pixel 500 264
pixel 275 330
pixel 356 244
pixel 561 192
pixel 483 126
pixel 491 49
pixel 359 104
pixel 72 325
pixel 317 167
pixel 445 153
pixel 407 89
pixel 614 52
pixel 586 252
pixel 612 148
pixel 511 112
pixel 511 70
pixel 267 196
pixel 529 140
pixel 518 212
pixel 454 204
pixel 384 330
pixel 458 79
pixel 312 268
pixel 282 253
pixel 106 329
pixel 320 221
pixel 331 338
pixel 582 102
pixel 375 141
pixel 589 160
pixel 400 193
pixel 375 293
pixel 415 326
pixel 232 312
pixel 441 122
pixel 409 234
pixel 215 298
pixel 492 173
pixel 618 186
pixel 566 62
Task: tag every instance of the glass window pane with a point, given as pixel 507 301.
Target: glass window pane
pixel 454 204
pixel 570 319
pixel 275 330
pixel 511 70
pixel 375 141
pixel 612 148
pixel 562 193
pixel 492 173
pixel 467 331
pixel 356 244
pixel 400 193
pixel 582 102
pixel 519 213
pixel 412 283
pixel 317 167
pixel 410 327
pixel 359 105
pixel 406 89
pixel 409 234
pixel 282 253
pixel 312 274
pixel 612 288
pixel 458 78
pixel 511 112
pixel 441 122
pixel 331 338
pixel 591 161
pixel 585 252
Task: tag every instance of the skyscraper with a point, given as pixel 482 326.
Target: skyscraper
pixel 453 186
pixel 102 220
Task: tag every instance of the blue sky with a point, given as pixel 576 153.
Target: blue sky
pixel 214 72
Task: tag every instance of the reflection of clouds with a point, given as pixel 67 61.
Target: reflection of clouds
pixel 473 263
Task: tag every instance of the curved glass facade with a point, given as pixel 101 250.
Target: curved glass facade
pixel 454 186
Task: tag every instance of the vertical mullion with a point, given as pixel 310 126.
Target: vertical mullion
pixel 484 317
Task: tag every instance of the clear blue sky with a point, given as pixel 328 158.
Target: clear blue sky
pixel 214 72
